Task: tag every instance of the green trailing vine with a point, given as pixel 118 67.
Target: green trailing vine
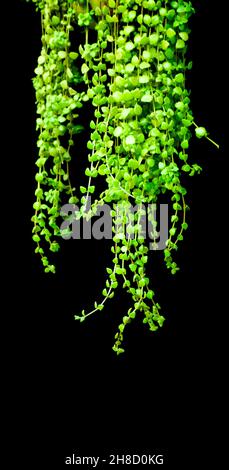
pixel 127 58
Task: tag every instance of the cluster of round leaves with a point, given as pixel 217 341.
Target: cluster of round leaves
pixel 58 101
pixel 134 68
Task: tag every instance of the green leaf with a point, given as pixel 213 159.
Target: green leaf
pixel 69 73
pixel 124 113
pixel 95 135
pixel 80 318
pixel 129 68
pixel 111 3
pixel 185 144
pixel 170 33
pixel 117 96
pixel 179 78
pixel 102 170
pixel 127 30
pixel 54 247
pixel 180 44
pixel 132 315
pixel 184 36
pixel 144 65
pixel 119 350
pixel 186 168
pixel 84 69
pixel 133 164
pixel 88 172
pixel 36 238
pixel 180 237
pixel 155 20
pixel 83 190
pixel 153 327
pixel 109 38
pixel 129 46
pixel 120 270
pixel 62 54
pixel 133 267
pixel 130 140
pixel 153 39
pixel 73 200
pixel 161 165
pixel 180 105
pixel 164 44
pixel 200 132
pixel 149 295
pixel 144 79
pixel 39 70
pixel 73 55
pixel 163 11
pixel 118 131
pixel 37 205
pixel 111 72
pixel 41 60
pixel 55 20
pixel 64 84
pixel 147 98
pixel 160 320
pixel 100 307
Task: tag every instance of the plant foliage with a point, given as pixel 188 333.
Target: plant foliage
pixel 127 58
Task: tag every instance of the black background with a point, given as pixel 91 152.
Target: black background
pixel 71 391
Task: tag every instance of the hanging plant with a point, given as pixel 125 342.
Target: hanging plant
pixel 127 59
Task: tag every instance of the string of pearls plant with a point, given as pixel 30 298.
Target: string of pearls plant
pixel 127 58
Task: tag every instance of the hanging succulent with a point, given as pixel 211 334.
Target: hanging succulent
pixel 127 59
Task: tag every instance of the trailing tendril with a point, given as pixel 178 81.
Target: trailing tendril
pixel 131 57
